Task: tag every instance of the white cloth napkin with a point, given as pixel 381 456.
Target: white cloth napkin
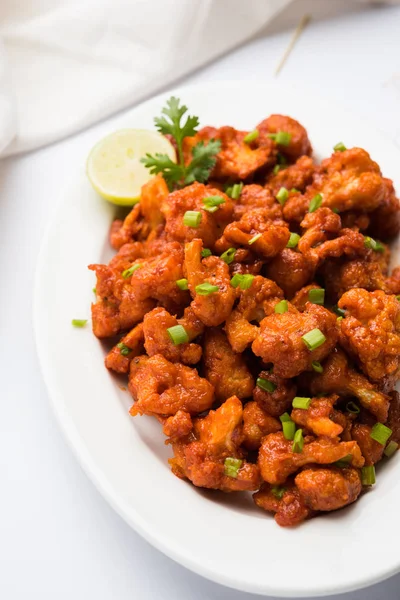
pixel 65 64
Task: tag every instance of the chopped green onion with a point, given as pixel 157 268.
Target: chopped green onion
pixel 94 291
pixel 128 272
pixel 398 298
pixel 246 282
pixel 124 349
pixel 276 169
pixel 282 196
pixel 206 288
pixel 390 449
pixel 299 402
pixel 281 307
pixel 339 311
pixel 251 136
pixel 192 218
pixel 212 203
pixel 178 335
pixel 298 441
pixel 313 339
pixel 236 191
pixel 266 385
pixel 293 240
pixel 339 319
pixel 372 244
pixel 344 462
pixel 254 239
pixel 228 256
pixel 318 368
pixel 278 491
pixel 79 322
pixel 285 418
pixel 368 475
pixel 282 138
pixel 335 210
pixel 380 433
pixel 228 191
pixel 353 408
pixel 339 147
pixel 295 191
pixel 315 203
pixel 281 160
pixel 289 429
pixel 236 280
pixel 206 252
pixel 182 284
pixel 317 296
pixel 232 466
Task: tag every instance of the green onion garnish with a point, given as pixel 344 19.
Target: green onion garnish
pixel 380 433
pixel 339 311
pixel 398 298
pixel 372 244
pixel 228 256
pixel 192 218
pixel 285 418
pixel 206 288
pixel 282 138
pixel 315 203
pixel 299 402
pixel 254 239
pixel 128 272
pixel 295 191
pixel 344 462
pixel 124 349
pixel 251 136
pixel 236 280
pixel 276 169
pixel 228 191
pixel 289 429
pixel 298 441
pixel 182 284
pixel 232 466
pixel 282 196
pixel 339 147
pixel 318 368
pixel 94 291
pixel 390 449
pixel 212 203
pixel 278 491
pixel 236 191
pixel 293 240
pixel 368 475
pixel 246 281
pixel 353 408
pixel 178 335
pixel 79 322
pixel 339 319
pixel 266 385
pixel 281 307
pixel 206 252
pixel 313 339
pixel 317 296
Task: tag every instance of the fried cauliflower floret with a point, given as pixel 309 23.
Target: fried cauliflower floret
pixel 338 377
pixel 328 489
pixel 291 270
pixel 200 457
pixel 157 340
pixel 255 196
pixel 370 332
pixel 385 220
pixel 214 308
pixel 393 421
pixel 122 232
pixel 191 198
pixel 126 255
pixel 285 503
pixel 226 370
pixel 160 387
pixel 341 276
pixel 279 339
pixel 299 143
pixel 178 425
pixel 277 461
pixel 152 198
pixel 269 237
pixel 131 345
pixel 254 304
pixel 297 176
pixel 256 424
pixel 371 450
pixel 280 399
pixel 319 417
pixel 236 159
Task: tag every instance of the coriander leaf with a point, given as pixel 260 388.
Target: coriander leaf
pixel 204 159
pixel 161 163
pixel 175 128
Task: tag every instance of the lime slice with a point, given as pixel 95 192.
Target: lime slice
pixel 114 168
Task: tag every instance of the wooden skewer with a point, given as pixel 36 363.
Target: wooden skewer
pixel 298 31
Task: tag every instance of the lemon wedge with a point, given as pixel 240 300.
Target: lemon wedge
pixel 114 168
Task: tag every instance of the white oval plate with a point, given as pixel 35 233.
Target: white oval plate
pixel 222 537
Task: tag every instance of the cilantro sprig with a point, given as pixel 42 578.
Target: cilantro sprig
pixel 178 174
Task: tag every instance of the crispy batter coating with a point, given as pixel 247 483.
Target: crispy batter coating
pixel 255 196
pixel 319 417
pixel 297 176
pixel 291 270
pixel 277 461
pixel 224 368
pixel 131 345
pixel 299 143
pixel 154 194
pixel 385 220
pixel 285 503
pixel 256 424
pixel 162 388
pixel 178 425
pixel 371 450
pixel 328 489
pixel 279 339
pixel 370 332
pixel 280 400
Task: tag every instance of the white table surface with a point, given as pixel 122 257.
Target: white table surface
pixel 58 537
